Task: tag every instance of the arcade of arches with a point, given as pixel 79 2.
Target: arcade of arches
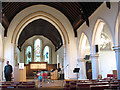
pixel 95 50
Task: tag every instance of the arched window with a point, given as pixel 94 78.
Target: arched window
pixel 28 54
pixel 46 54
pixel 37 50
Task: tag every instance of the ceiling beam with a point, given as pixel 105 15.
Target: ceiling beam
pixel 5 23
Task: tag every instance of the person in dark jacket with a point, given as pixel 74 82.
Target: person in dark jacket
pixel 7 71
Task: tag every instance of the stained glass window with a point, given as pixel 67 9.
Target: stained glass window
pixel 28 54
pixel 46 54
pixel 37 50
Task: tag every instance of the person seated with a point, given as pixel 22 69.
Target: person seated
pixel 40 79
pixel 99 76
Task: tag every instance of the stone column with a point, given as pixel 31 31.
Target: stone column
pixel 117 52
pixel 82 66
pixel 15 55
pixel 66 64
pixel 1 68
pixel 95 66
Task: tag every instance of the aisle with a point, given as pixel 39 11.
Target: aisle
pixel 48 84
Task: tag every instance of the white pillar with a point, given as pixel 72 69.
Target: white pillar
pixel 15 55
pixel 117 52
pixel 1 68
pixel 82 66
pixel 66 64
pixel 95 66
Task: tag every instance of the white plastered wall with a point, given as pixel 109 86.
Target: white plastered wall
pixel 104 13
pixel 43 11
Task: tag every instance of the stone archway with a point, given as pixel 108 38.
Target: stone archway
pixel 84 49
pixel 102 38
pixel 17 26
pixel 64 37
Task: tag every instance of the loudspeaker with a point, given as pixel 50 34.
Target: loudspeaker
pixel 76 70
pixel 96 48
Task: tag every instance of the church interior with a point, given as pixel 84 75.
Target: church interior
pixel 60 45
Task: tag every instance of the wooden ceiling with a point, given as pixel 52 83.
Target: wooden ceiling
pixel 41 27
pixel 76 12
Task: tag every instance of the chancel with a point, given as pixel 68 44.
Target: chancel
pixel 61 44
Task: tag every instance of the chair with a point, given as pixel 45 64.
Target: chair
pixel 12 76
pixel 99 76
pixel 110 76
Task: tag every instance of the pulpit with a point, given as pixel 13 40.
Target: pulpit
pixel 19 74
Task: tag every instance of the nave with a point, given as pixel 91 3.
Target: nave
pixel 71 45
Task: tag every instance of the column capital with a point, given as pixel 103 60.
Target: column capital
pixel 116 48
pixel 94 55
pixel 2 59
pixel 81 60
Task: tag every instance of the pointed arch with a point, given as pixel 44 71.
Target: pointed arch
pixel 43 15
pixel 100 24
pixel 117 31
pixel 84 46
pixel 37 50
pixel 102 37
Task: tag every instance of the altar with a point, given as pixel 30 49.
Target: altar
pixel 34 67
pixel 30 70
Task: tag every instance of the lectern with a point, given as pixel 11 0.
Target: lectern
pixel 19 74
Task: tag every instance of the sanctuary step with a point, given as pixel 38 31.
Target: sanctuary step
pixel 30 77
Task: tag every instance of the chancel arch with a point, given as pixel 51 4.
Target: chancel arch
pixel 63 27
pixel 40 15
pixel 102 55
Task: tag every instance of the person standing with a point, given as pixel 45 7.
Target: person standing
pixel 7 71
